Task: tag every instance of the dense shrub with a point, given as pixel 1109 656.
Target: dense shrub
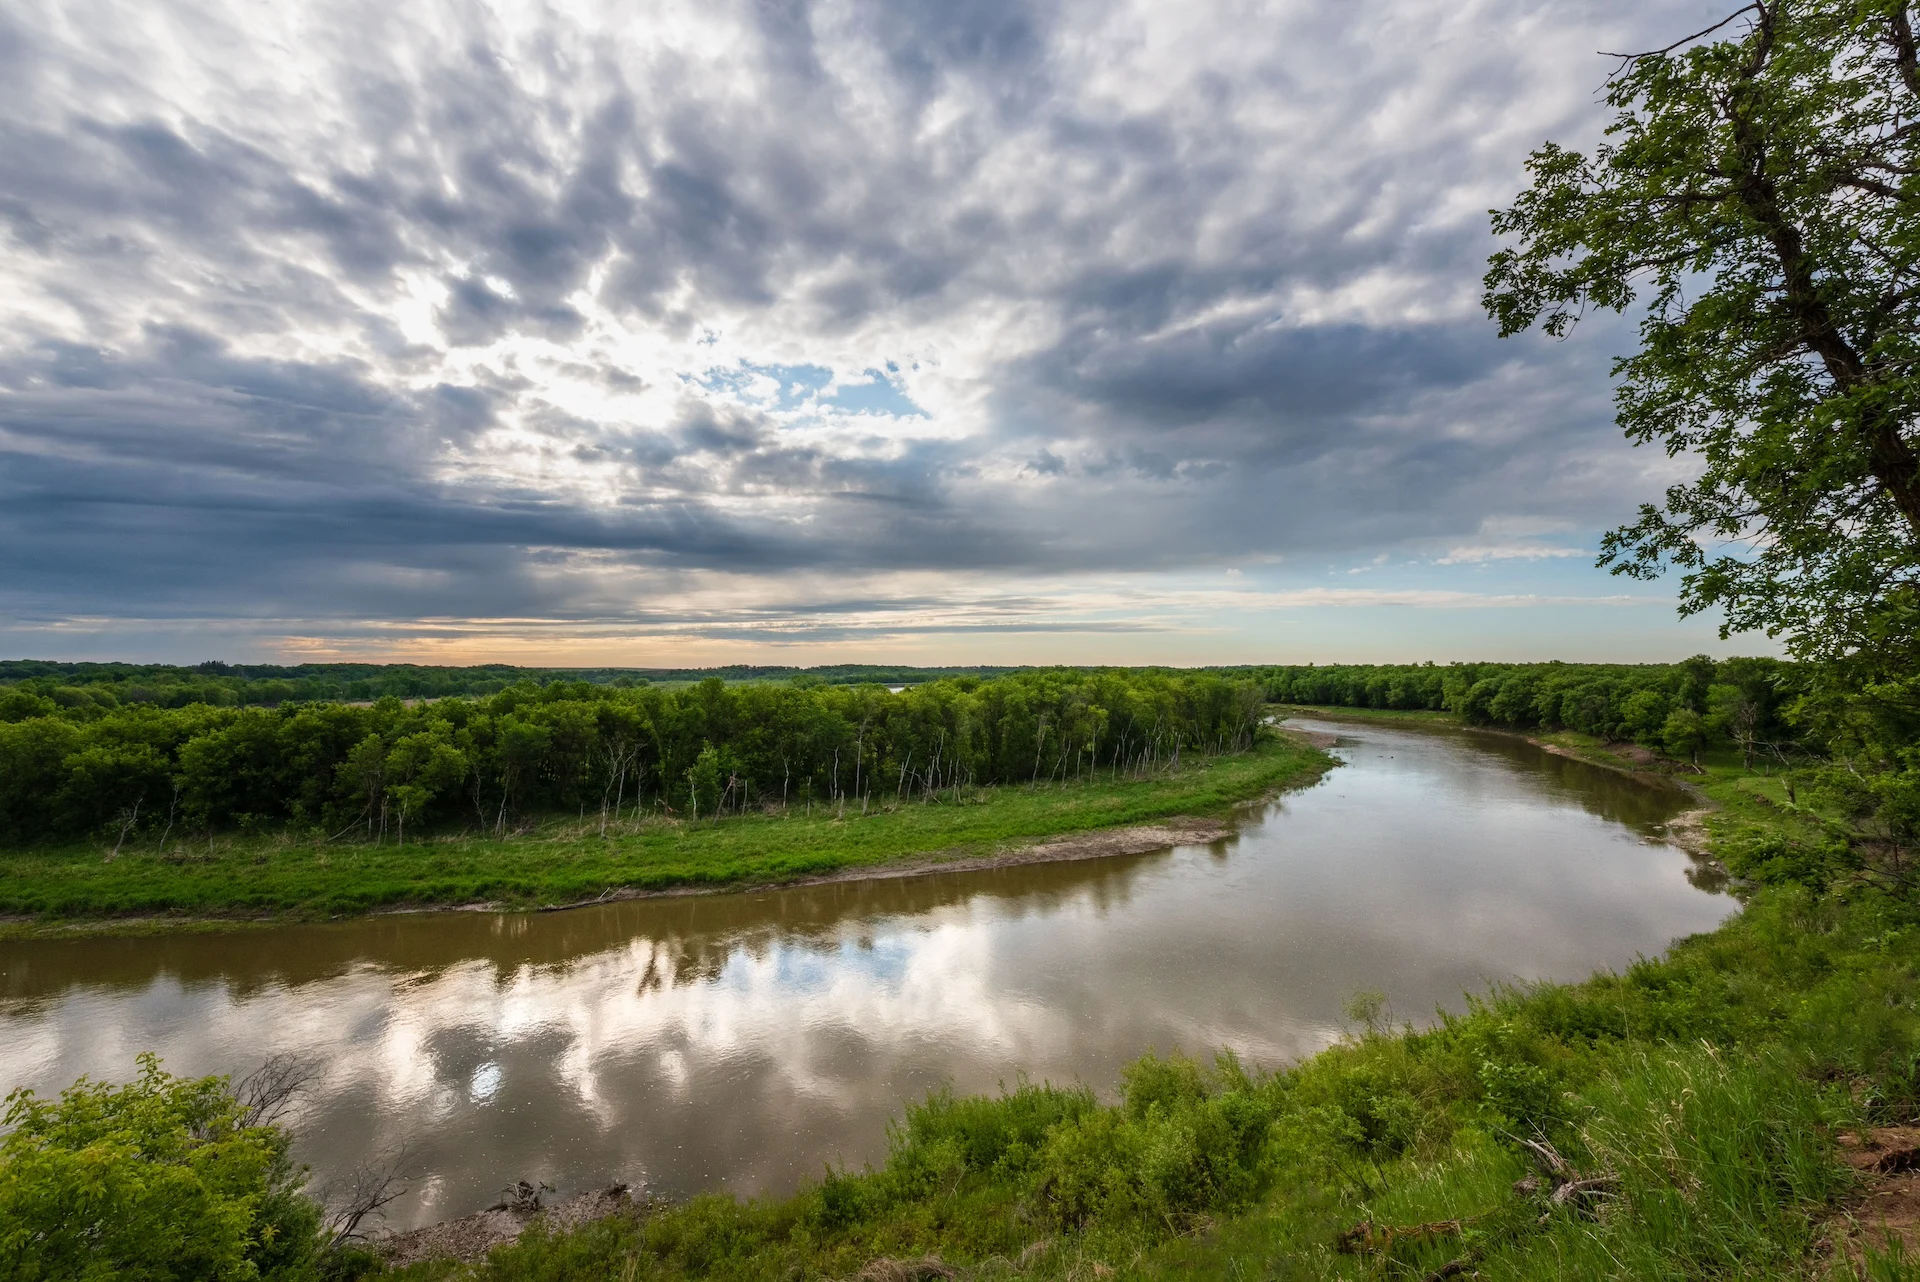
pixel 162 1178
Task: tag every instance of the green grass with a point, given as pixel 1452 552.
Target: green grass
pixel 566 860
pixel 1706 1088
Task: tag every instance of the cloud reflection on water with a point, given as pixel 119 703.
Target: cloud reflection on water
pixel 741 1041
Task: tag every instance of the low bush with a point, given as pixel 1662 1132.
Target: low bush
pixel 162 1178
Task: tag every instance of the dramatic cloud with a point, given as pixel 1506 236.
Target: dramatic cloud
pixel 455 329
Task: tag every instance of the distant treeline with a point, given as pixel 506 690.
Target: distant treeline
pixel 235 685
pixel 137 770
pixel 1681 707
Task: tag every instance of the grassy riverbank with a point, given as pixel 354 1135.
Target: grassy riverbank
pixel 567 860
pixel 1711 1113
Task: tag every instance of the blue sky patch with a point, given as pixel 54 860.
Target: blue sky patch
pixel 878 395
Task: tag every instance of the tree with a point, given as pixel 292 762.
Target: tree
pixel 1734 713
pixel 1759 197
pixel 420 767
pixel 1683 734
pixel 365 771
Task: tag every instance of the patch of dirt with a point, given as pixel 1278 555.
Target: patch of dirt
pixel 1181 830
pixel 470 1237
pixel 1312 738
pixel 1627 758
pixel 1103 843
pixel 1689 830
pixel 1888 1161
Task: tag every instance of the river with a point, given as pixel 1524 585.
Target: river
pixel 742 1041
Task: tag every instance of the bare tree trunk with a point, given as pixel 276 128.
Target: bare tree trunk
pixel 168 830
pixel 127 821
pixel 859 760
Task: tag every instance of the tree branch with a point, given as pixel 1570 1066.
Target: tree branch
pixel 1905 56
pixel 1892 460
pixel 271 1089
pixel 1629 58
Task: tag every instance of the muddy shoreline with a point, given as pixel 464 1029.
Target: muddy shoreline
pixel 1099 843
pixel 470 1237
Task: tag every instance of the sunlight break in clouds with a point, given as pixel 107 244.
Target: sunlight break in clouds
pixel 675 332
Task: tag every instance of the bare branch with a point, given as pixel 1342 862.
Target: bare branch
pixel 360 1195
pixel 271 1089
pixel 1659 53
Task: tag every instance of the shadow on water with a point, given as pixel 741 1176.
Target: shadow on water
pixel 741 1040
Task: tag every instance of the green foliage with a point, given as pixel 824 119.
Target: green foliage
pixel 568 858
pixel 30 688
pixel 1757 194
pixel 1746 702
pixel 162 1178
pixel 1683 734
pixel 390 768
pixel 1718 1161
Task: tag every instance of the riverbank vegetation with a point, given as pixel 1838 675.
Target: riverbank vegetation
pixel 1738 1108
pixel 570 859
pixel 1747 1106
pixel 375 773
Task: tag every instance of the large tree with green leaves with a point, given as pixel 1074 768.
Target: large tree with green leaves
pixel 1757 203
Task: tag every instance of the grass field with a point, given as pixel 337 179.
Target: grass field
pixel 563 860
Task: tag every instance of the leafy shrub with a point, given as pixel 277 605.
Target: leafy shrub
pixel 1774 859
pixel 159 1179
pixel 1183 1142
pixel 946 1136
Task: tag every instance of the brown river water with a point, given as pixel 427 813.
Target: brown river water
pixel 743 1041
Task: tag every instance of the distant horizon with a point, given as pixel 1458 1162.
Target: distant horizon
pixel 911 666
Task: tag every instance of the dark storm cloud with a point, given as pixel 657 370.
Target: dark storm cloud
pixel 1179 404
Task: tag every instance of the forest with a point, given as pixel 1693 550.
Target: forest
pixel 383 770
pixel 1679 708
pixel 220 684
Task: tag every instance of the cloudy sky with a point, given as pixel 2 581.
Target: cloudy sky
pixel 801 331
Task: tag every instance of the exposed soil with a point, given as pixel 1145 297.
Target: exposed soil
pixel 1103 843
pixel 1888 1161
pixel 1321 739
pixel 1139 839
pixel 471 1236
pixel 1689 831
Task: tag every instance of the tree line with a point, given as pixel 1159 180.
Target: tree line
pixel 1682 708
pixel 47 684
pixel 390 769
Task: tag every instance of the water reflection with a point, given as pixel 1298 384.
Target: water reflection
pixel 741 1041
